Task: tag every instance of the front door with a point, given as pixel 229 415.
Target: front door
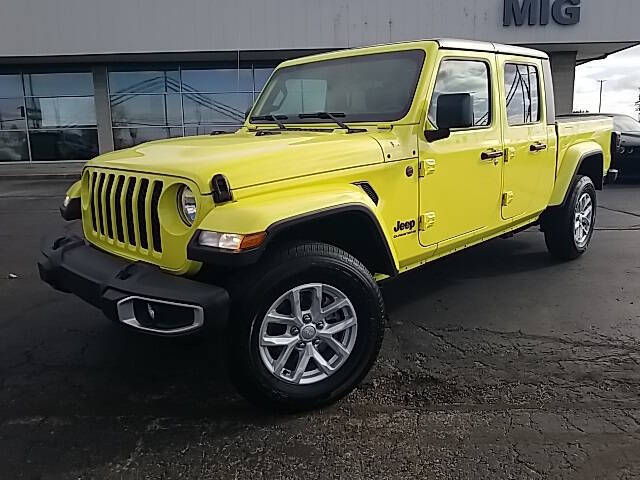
pixel 461 176
pixel 529 162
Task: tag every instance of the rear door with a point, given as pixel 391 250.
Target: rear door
pixel 529 161
pixel 461 176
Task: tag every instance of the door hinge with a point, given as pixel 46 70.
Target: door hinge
pixel 507 198
pixel 509 154
pixel 426 167
pixel 426 221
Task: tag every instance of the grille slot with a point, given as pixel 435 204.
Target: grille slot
pixel 93 206
pixel 155 219
pixel 124 210
pixel 100 203
pixel 142 212
pixel 107 206
pixel 118 208
pixel 131 229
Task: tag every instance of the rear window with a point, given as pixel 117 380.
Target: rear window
pixel 522 95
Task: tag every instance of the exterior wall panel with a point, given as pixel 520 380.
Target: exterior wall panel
pixel 76 27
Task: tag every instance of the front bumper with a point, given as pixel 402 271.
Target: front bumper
pixel 138 295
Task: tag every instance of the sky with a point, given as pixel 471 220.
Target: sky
pixel 620 91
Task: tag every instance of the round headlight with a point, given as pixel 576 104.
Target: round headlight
pixel 187 205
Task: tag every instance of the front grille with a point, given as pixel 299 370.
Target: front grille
pixel 124 209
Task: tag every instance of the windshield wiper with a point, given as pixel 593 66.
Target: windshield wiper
pixel 273 118
pixel 335 118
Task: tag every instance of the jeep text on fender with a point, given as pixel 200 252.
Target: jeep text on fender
pixel 352 167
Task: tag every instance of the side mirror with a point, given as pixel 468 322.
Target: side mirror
pixel 455 110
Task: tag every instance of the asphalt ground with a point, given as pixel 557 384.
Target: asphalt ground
pixel 498 362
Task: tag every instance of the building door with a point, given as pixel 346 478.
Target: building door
pixel 529 163
pixel 460 182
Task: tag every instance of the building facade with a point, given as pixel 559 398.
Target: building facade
pixel 82 77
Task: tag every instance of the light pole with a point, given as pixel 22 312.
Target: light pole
pixel 600 104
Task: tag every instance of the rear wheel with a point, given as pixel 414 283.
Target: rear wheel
pixel 307 330
pixel 568 229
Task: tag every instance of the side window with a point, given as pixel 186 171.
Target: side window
pixel 464 76
pixel 522 96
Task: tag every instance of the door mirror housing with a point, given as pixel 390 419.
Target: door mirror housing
pixel 435 135
pixel 455 110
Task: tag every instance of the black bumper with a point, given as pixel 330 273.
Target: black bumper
pixel 160 303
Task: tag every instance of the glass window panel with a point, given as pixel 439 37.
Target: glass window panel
pixel 217 80
pixel 129 137
pixel 11 86
pixel 261 75
pixel 157 81
pixel 64 144
pixel 13 147
pixel 623 123
pixel 12 114
pixel 61 112
pixel 522 97
pixel 364 87
pixel 54 84
pixel 216 108
pixel 146 110
pixel 207 129
pixel 464 76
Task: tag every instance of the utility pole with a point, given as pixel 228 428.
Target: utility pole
pixel 600 105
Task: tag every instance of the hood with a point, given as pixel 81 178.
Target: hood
pixel 246 159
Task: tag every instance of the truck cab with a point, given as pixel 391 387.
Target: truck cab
pixel 352 167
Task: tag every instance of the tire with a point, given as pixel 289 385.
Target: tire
pixel 565 241
pixel 306 268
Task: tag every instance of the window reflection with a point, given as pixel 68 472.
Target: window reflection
pixel 58 84
pixel 216 108
pixel 10 86
pixel 209 129
pixel 217 80
pixel 145 110
pixel 159 81
pixel 68 144
pixel 155 104
pixel 12 114
pixel 130 137
pixel 464 76
pixel 61 112
pixel 13 147
pixel 522 98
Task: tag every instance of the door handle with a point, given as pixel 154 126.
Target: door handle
pixel 491 154
pixel 537 147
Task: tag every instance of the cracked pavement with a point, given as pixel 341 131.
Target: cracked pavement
pixel 498 362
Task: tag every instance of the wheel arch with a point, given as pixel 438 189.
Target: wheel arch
pixel 352 227
pixel 583 159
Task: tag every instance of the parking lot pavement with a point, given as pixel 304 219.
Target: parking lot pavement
pixel 498 363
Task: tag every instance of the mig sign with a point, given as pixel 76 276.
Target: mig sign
pixel 538 12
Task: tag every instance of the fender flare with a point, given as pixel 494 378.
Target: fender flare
pixel 571 163
pixel 219 257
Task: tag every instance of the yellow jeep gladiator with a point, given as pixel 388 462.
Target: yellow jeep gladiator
pixel 352 167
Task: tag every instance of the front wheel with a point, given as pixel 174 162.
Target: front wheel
pixel 307 330
pixel 568 229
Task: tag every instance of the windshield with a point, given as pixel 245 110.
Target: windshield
pixel 625 124
pixel 367 88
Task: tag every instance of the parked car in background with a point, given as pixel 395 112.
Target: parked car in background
pixel 626 154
